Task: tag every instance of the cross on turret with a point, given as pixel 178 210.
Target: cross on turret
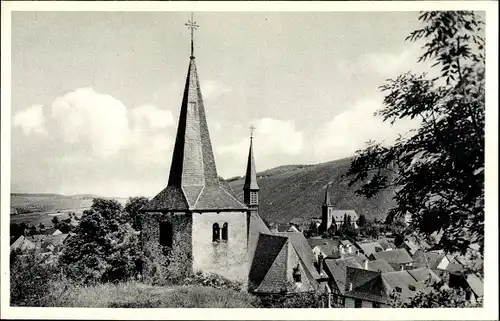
pixel 191 24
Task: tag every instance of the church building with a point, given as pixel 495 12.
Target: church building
pixel 197 224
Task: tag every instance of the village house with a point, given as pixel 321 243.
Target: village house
pixel 368 248
pixel 398 259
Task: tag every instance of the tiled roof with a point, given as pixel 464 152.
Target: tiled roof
pixel 373 289
pixel 22 243
pixel 412 247
pixel 338 215
pixel 424 274
pixel 303 249
pixel 313 241
pixel 433 259
pixel 251 174
pixel 404 281
pixel 379 266
pixel 476 284
pixel 327 249
pixel 255 227
pixel 370 247
pixel 336 269
pixel 193 182
pixel 267 250
pixel 273 255
pixel 386 244
pixel 399 256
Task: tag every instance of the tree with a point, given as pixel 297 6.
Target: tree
pixel 55 220
pixel 361 220
pixel 104 248
pixel 436 170
pixel 41 226
pixel 134 204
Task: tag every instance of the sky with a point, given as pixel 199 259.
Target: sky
pixel 96 95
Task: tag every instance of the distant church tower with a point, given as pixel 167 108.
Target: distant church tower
pixel 195 223
pixel 326 211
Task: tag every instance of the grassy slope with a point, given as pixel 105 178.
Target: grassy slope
pixel 298 191
pixel 138 295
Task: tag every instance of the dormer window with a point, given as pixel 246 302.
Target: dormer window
pixel 297 277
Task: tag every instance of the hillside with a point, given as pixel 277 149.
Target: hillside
pixel 298 191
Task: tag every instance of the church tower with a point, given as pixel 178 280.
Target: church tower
pixel 251 188
pixel 195 224
pixel 326 211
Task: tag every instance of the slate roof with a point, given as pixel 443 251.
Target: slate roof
pixel 337 270
pixel 403 280
pixel 338 215
pixel 313 241
pixel 327 200
pixel 476 284
pixel 22 243
pixel 433 259
pixel 399 256
pixel 370 247
pixel 424 274
pixel 411 246
pixel 268 272
pixel 327 249
pixel 379 266
pixel 193 183
pixel 251 174
pixel 304 251
pixel 386 244
pixel 255 227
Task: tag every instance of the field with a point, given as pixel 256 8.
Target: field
pixel 51 205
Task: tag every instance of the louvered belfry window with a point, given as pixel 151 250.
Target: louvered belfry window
pixel 166 235
pixel 224 232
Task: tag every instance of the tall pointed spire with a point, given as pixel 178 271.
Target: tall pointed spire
pixel 251 174
pixel 327 195
pixel 191 24
pixel 193 183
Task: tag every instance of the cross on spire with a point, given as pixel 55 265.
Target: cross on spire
pixel 191 24
pixel 252 128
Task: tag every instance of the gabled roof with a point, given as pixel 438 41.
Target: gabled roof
pixel 403 280
pixel 251 174
pixel 267 250
pixel 313 241
pixel 386 244
pixel 399 256
pixel 336 269
pixel 370 247
pixel 476 284
pixel 379 266
pixel 271 263
pixel 22 243
pixel 327 249
pixel 193 183
pixel 255 227
pixel 338 215
pixel 433 259
pixel 424 274
pixel 303 249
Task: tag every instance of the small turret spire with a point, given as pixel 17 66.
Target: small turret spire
pixel 327 195
pixel 251 174
pixel 191 24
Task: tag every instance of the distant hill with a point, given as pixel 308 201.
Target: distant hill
pixel 299 190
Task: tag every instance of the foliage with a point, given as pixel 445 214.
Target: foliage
pixel 212 280
pixel 437 170
pixel 134 204
pixel 138 295
pixel 370 229
pixel 439 296
pixel 362 220
pixel 30 278
pixel 104 248
pixel 294 300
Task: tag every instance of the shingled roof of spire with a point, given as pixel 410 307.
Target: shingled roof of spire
pixel 193 182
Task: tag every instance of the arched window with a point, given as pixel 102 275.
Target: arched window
pixel 224 232
pixel 215 233
pixel 166 236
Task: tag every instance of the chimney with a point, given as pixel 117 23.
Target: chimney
pixel 366 264
pixel 321 260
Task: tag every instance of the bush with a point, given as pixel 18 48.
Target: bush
pixel 294 300
pixel 212 280
pixel 31 277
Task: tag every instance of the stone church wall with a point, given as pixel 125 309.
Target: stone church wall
pixel 160 264
pixel 228 259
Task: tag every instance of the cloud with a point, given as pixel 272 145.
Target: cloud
pixel 353 128
pixel 276 142
pixel 212 89
pixel 86 116
pixel 152 116
pixel 31 120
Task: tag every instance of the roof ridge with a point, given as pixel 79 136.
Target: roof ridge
pixel 185 197
pixel 198 197
pixel 232 196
